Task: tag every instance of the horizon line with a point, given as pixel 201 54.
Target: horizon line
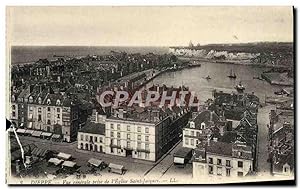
pixel 186 45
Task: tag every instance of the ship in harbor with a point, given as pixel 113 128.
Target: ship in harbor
pixel 232 75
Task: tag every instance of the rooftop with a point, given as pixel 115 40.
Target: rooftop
pixel 93 128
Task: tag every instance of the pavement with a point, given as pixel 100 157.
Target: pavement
pixel 134 167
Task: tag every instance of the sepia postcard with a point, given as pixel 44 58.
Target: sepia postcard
pixel 150 95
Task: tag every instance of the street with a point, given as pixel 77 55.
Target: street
pixel 263 121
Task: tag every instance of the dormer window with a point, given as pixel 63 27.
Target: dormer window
pixel 58 102
pixel 202 125
pixel 48 101
pixel 192 124
pixel 30 99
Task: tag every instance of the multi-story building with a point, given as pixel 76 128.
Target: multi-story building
pixel 143 133
pixel 223 159
pixel 53 112
pixel 204 126
pixel 92 137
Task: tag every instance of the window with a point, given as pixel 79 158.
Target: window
pixel 49 122
pixel 227 172
pixel 128 136
pixel 192 142
pixel 128 144
pixel 111 134
pixel 240 164
pixel 39 109
pixel 95 139
pixel 147 146
pixel 58 102
pixel 146 130
pixel 58 116
pixel 147 155
pixel 139 145
pixel 91 138
pixel 139 137
pixel 48 108
pixel 198 134
pixel 39 117
pixel 228 163
pixel 186 141
pixel 128 128
pixel 118 127
pixel 118 142
pixel 13 107
pixel 139 154
pixel 112 126
pixel 239 153
pixel 219 170
pixel 210 160
pixel 139 129
pixel 210 170
pixel 192 133
pixel 81 137
pixel 58 109
pixel 219 162
pixel 146 138
pixel 86 138
pixel 240 174
pixel 101 140
pixel 14 114
pixel 30 108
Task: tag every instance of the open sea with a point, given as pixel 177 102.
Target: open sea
pixel 25 54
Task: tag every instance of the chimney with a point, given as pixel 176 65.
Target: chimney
pixel 31 88
pixel 208 140
pixel 125 114
pixel 121 113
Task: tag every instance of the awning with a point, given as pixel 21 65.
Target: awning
pixel 64 156
pixel 69 164
pixel 95 162
pixel 39 152
pixel 29 131
pixel 55 136
pixel 37 133
pixel 46 134
pixel 178 160
pixel 55 161
pixel 115 166
pixel 21 131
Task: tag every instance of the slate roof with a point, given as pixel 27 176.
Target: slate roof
pixel 93 128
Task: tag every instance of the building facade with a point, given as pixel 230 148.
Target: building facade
pixel 223 159
pixel 92 137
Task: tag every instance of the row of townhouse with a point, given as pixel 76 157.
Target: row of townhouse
pixel 40 109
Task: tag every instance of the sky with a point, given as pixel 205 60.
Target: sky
pixel 147 26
